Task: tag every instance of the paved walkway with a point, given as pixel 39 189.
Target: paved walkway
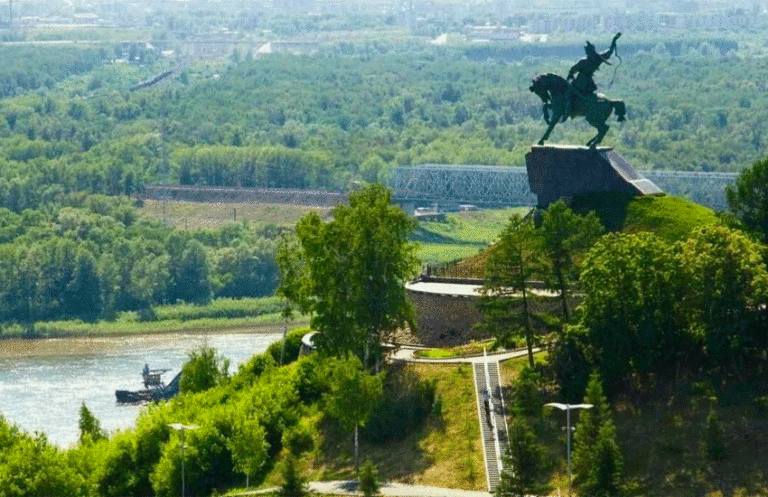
pixel 394 489
pixel 407 353
pixel 390 489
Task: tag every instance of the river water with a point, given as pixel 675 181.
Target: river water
pixel 44 382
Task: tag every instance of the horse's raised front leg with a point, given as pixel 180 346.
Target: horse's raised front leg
pixel 602 129
pixel 552 122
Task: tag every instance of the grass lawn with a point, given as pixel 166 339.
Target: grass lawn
pixel 445 452
pixel 470 349
pixel 463 234
pixel 671 218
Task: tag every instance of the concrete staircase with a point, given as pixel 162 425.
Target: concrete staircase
pixel 493 423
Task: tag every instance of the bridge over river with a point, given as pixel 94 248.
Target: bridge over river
pixel 508 186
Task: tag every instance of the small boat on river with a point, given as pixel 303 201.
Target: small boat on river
pixel 154 388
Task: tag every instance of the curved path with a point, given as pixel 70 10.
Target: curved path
pixel 408 354
pixel 391 489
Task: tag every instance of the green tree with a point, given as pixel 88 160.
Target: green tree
pixel 353 395
pixel 748 198
pixel 90 428
pixel 565 235
pixel 207 463
pixel 633 307
pixel 293 484
pixel 248 446
pixel 32 466
pixel 527 392
pixel 587 436
pixel 512 263
pixel 523 462
pixel 727 285
pixel 369 479
pixel 349 273
pixel 203 370
pixel 607 471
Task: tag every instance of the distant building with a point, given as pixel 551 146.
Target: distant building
pixel 491 33
pixel 289 47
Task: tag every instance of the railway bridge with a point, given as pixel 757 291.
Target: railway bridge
pixel 494 186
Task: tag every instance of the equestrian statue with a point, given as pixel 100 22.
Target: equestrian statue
pixel 576 96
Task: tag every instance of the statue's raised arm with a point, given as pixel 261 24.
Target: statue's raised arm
pixel 607 54
pixel 575 95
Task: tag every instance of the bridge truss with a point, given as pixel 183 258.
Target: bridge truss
pixel 480 185
pixel 508 186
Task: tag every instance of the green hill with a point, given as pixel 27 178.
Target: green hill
pixel 671 218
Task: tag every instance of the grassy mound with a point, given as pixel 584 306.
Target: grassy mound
pixel 671 218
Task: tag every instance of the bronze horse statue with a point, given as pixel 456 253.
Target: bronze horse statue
pixel 555 91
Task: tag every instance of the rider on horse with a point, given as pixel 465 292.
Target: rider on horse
pixel 583 86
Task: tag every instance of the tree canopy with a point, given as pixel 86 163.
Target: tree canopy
pixel 349 273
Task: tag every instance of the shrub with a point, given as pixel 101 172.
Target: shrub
pixel 292 346
pixel 203 370
pixel 405 404
pixel 369 479
pixel 293 483
pixel 298 439
pixel 310 381
pixel 257 365
pixel 715 445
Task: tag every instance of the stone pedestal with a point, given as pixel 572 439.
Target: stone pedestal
pixel 557 171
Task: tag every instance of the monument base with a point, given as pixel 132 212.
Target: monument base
pixel 557 171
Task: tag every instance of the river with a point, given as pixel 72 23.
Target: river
pixel 44 382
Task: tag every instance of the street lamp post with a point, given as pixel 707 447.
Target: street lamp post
pixel 182 428
pixel 567 408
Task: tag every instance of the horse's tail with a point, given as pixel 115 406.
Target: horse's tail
pixel 620 109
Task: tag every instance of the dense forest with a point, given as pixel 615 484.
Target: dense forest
pixel 347 114
pixel 359 110
pixel 90 257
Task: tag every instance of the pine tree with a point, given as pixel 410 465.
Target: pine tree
pixel 90 428
pixel 293 483
pixel 598 465
pixel 369 479
pixel 523 462
pixel 607 471
pixel 588 429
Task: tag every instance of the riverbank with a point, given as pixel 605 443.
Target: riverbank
pixel 270 323
pixel 79 345
pixel 43 383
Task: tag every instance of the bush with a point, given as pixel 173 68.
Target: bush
pixel 310 380
pixel 257 365
pixel 203 370
pixel 298 439
pixel 369 479
pixel 406 403
pixel 292 346
pixel 293 483
pixel 715 446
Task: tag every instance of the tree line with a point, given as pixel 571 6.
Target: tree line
pixel 92 256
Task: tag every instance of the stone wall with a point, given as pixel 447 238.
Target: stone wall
pixel 446 319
